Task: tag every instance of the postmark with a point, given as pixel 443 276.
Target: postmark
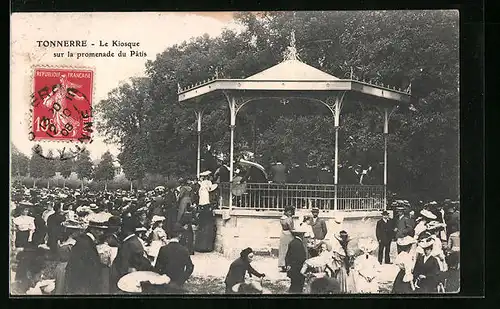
pixel 61 104
pixel 66 153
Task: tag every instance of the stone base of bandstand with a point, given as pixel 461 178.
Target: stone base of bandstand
pixel 261 230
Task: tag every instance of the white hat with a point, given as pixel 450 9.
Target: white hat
pixel 157 218
pixel 405 241
pixel 205 173
pixel 428 214
pixel 160 188
pixel 141 229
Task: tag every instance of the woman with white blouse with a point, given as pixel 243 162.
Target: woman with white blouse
pixel 403 284
pixel 25 227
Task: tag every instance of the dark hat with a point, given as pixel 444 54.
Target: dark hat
pixel 385 213
pixel 114 221
pixel 245 252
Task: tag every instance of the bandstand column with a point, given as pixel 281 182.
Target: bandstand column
pixel 386 133
pixel 337 108
pixel 198 153
pixel 232 110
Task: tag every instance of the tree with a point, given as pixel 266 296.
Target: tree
pixel 36 164
pixel 84 166
pixel 105 169
pixel 65 168
pixel 397 48
pixel 49 167
pixel 19 162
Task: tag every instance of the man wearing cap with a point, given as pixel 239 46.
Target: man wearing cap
pixel 84 270
pixel 402 224
pixel 384 233
pixel 318 225
pixel 295 257
pixel 174 260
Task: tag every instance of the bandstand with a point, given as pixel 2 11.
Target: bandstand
pixel 292 79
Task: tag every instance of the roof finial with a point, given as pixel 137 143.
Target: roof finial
pixel 291 52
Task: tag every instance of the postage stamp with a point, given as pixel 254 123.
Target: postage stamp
pixel 62 104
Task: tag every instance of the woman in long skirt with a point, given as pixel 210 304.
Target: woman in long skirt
pixel 342 257
pixel 403 284
pixel 286 237
pixel 205 234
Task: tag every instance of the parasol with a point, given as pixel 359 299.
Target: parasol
pixel 254 164
pixel 131 282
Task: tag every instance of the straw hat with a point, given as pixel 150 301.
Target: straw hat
pixel 131 282
pixel 157 218
pixel 93 206
pixel 71 224
pixel 433 225
pixel 428 214
pixel 405 241
pixel 205 173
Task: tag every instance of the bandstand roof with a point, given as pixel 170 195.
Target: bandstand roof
pixel 293 77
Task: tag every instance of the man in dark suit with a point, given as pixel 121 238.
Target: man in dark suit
pixel 254 175
pixel 384 233
pixel 83 271
pixel 174 260
pixel 318 225
pixel 294 260
pixel 239 268
pixel 130 257
pixel 55 228
pixel 325 175
pixel 278 172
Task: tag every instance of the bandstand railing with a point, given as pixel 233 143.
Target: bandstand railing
pixel 272 196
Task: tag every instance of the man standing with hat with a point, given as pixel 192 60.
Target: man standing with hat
pixel 174 260
pixel 131 255
pixel 84 270
pixel 318 225
pixel 295 257
pixel 402 224
pixel 384 233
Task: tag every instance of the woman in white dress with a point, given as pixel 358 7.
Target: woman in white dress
pixel 366 267
pixel 342 261
pixel 319 266
pixel 403 283
pixel 286 236
pixel 25 227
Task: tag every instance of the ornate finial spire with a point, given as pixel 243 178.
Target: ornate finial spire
pixel 291 52
pixel 179 89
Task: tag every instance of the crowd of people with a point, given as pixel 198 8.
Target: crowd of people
pixel 142 241
pixel 428 251
pixel 99 237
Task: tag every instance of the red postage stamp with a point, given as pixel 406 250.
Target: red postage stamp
pixel 62 104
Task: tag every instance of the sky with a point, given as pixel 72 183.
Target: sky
pixel 154 31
